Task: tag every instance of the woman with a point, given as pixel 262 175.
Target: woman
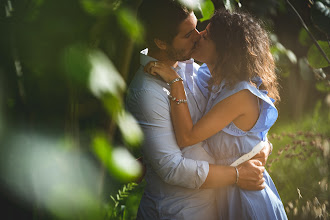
pixel 239 114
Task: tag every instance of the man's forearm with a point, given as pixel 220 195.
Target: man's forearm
pixel 250 176
pixel 219 176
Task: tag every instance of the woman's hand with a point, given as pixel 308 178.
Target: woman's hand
pixel 166 72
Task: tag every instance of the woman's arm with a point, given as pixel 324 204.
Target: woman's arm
pixel 214 121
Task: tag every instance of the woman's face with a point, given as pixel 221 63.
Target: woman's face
pixel 205 51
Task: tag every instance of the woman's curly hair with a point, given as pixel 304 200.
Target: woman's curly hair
pixel 243 49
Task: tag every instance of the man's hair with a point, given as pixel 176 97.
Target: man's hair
pixel 161 20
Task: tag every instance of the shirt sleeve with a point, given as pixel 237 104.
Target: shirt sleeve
pixel 160 150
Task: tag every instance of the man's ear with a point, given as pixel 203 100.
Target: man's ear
pixel 160 44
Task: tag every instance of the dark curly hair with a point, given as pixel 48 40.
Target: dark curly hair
pixel 243 49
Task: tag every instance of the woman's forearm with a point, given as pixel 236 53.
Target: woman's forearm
pixel 181 118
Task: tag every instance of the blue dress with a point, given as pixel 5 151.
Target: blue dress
pixel 231 143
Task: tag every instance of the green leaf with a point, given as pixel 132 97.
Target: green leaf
pixel 304 38
pixel 130 25
pixel 129 128
pixel 315 58
pixel 104 77
pixel 207 10
pixel 323 86
pixel 102 149
pixel 229 5
pixel 76 63
pixel 123 165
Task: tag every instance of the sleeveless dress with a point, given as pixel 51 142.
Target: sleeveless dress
pixel 231 143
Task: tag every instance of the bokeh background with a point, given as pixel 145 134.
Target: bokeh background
pixel 69 147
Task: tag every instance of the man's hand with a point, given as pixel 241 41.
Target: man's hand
pixel 251 175
pixel 262 156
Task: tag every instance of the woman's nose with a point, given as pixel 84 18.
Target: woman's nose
pixel 197 35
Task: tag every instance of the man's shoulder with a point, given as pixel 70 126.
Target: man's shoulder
pixel 145 82
pixel 146 89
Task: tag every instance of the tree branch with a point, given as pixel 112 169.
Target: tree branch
pixel 310 34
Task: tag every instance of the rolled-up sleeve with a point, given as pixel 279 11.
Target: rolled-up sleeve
pixel 160 150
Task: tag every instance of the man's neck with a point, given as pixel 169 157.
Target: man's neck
pixel 161 56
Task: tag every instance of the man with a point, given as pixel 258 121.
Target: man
pixel 180 185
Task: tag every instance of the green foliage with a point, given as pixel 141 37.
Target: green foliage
pixel 299 165
pixel 304 38
pixel 116 209
pixel 130 24
pixel 118 160
pixel 207 8
pixel 315 58
pixel 323 86
pixel 284 57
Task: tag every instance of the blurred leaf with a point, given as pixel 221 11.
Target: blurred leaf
pixel 76 63
pixel 320 15
pixel 305 71
pixel 229 5
pixel 284 58
pixel 292 57
pixel 102 149
pixel 193 4
pixel 323 86
pixel 207 10
pixel 119 161
pixel 319 74
pixel 123 165
pixel 314 56
pixel 83 204
pixel 130 24
pixel 129 128
pixel 104 77
pixel 37 170
pixel 304 38
pixel 100 7
pixel 113 104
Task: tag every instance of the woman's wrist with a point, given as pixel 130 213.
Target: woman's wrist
pixel 177 79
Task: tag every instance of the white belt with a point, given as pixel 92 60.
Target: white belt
pixel 249 155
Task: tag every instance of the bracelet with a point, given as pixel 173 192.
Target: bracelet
pixel 178 101
pixel 175 80
pixel 237 175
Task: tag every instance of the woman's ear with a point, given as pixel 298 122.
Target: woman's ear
pixel 160 44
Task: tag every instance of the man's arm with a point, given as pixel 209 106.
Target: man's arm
pixel 160 149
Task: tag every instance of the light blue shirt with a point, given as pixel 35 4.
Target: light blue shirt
pixel 173 176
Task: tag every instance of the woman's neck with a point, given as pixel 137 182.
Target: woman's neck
pixel 212 68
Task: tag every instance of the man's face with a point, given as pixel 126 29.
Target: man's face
pixel 184 43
